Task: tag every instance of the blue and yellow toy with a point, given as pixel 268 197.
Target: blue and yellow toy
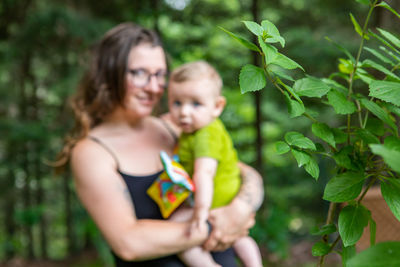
pixel 172 187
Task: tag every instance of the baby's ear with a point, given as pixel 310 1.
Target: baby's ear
pixel 219 105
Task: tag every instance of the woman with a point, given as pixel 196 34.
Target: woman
pixel 114 156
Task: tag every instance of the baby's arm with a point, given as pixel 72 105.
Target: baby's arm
pixel 233 220
pixel 203 177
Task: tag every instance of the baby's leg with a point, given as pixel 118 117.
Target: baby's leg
pixel 247 250
pixel 195 256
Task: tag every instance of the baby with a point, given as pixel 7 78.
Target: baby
pixel 206 151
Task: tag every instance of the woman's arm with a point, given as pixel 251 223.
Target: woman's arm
pixel 105 196
pixel 252 188
pixel 233 221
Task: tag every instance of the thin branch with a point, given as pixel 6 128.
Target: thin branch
pixel 366 189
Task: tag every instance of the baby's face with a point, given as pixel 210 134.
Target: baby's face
pixel 193 104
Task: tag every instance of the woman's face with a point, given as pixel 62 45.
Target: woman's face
pixel 145 79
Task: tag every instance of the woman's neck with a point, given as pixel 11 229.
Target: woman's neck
pixel 120 118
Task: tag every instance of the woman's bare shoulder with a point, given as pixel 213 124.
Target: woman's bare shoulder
pixel 84 148
pixel 167 127
pixel 163 129
pixel 91 156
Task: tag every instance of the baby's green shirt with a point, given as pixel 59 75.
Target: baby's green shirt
pixel 213 141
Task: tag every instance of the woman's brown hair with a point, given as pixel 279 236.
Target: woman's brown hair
pixel 102 87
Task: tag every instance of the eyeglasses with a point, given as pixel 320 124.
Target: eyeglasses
pixel 141 77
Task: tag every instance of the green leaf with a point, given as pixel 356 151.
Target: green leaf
pixel 324 230
pixel 367 136
pixel 301 157
pixel 393 39
pixel 343 159
pixel 391 108
pixel 386 91
pixel 270 52
pixel 347 254
pixel 320 248
pixel 390 53
pixel 340 103
pixel 379 56
pixel 373 64
pixel 254 27
pixel 276 39
pixel 375 126
pixel 385 5
pixel 379 112
pixel 372 231
pixel 286 63
pixel 273 35
pixel 385 254
pixel 312 168
pixel 281 147
pixel 341 48
pixel 352 220
pixel 324 132
pixel 320 147
pixel 391 157
pixel 290 90
pixel 392 143
pixel 364 2
pixel 391 193
pixel 357 27
pixel 365 78
pixel 270 28
pixel 242 40
pixel 345 66
pixel 299 140
pixel 311 87
pixel 344 187
pixel 280 73
pixel 383 41
pixel 295 108
pixel 340 136
pixel 336 85
pixel 251 78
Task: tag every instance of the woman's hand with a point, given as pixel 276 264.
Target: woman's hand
pixel 229 223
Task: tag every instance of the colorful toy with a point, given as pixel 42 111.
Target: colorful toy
pixel 172 187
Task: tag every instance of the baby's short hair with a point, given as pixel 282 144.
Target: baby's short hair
pixel 197 70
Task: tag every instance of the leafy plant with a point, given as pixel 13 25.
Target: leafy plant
pixel 366 149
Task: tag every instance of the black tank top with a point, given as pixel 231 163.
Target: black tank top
pixel 146 208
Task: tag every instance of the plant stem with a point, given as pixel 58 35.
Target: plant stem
pixel 322 258
pixel 351 79
pixel 310 117
pixel 331 212
pixel 329 219
pixel 366 189
pixel 283 92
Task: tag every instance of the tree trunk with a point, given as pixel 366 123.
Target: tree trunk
pixel 39 194
pixel 24 150
pixel 9 199
pixel 384 18
pixel 68 214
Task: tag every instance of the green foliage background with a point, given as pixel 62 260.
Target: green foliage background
pixel 43 47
